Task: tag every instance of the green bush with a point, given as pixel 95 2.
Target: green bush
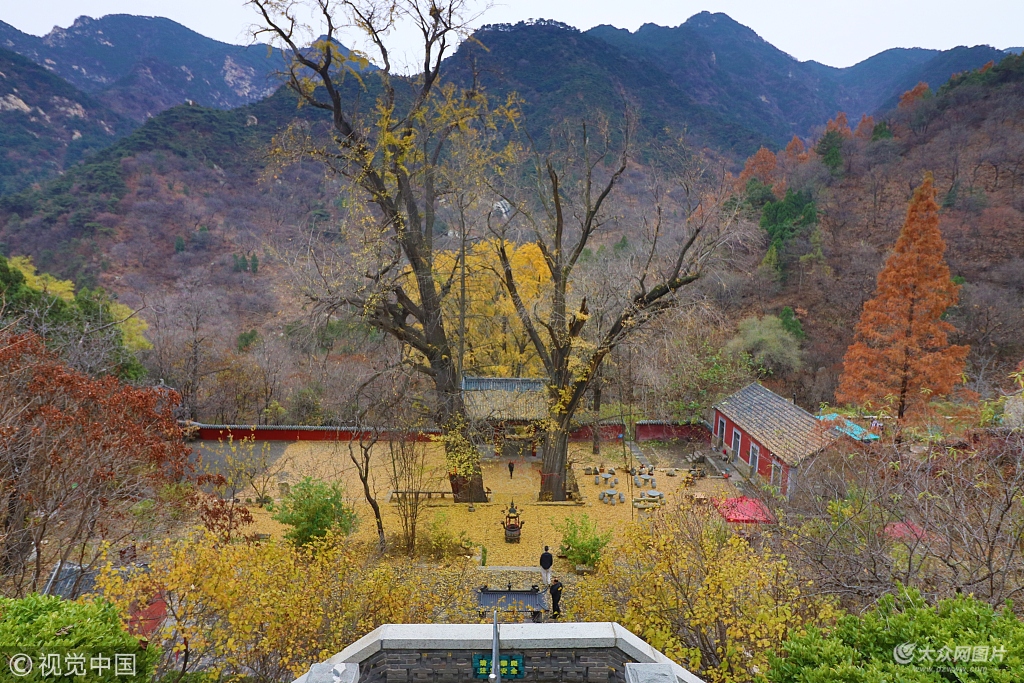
pixel 312 508
pixel 581 543
pixel 791 323
pixel 903 639
pixel 442 540
pixel 39 625
pixel 769 345
pixel 782 220
pixel 246 340
pixel 881 131
pixel 830 149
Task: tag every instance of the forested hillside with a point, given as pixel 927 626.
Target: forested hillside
pixel 728 68
pixel 831 213
pixel 46 124
pixel 140 66
pixel 184 210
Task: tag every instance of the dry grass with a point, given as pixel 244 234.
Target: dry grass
pixel 483 527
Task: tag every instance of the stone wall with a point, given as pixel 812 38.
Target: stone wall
pixel 587 665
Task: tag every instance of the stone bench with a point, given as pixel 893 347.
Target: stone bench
pixel 393 495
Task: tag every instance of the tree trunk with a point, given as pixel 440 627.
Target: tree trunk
pixel 597 420
pixel 451 418
pixel 556 450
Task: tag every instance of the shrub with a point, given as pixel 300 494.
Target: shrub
pixel 246 340
pixel 581 543
pixel 903 638
pixel 791 323
pixel 44 624
pixel 179 244
pixel 313 508
pixel 442 539
pixel 769 345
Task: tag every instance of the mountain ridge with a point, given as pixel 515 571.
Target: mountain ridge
pixel 46 123
pixel 113 54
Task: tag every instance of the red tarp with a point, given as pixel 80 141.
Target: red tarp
pixel 743 510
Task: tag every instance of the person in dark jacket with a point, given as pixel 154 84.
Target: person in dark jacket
pixel 546 560
pixel 511 468
pixel 556 595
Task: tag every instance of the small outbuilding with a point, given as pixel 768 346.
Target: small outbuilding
pixel 507 410
pixel 768 436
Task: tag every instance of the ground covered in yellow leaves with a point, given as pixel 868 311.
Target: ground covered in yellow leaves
pixel 331 461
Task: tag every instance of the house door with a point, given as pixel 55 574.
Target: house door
pixel 721 429
pixel 736 435
pixel 777 475
pixel 755 453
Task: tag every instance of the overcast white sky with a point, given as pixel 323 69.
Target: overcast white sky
pixel 838 34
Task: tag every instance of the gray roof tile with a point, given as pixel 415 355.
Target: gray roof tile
pixel 784 428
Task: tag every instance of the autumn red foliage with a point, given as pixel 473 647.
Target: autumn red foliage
pixel 762 165
pixel 901 349
pixel 78 456
pixel 840 125
pixel 866 128
pixel 796 152
pixel 911 96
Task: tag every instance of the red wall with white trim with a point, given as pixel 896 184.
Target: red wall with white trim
pixel 765 457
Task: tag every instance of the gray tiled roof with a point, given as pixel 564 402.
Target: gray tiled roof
pixel 72 581
pixel 505 398
pixel 503 384
pixel 786 429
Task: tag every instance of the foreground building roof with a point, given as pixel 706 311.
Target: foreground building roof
pixel 583 652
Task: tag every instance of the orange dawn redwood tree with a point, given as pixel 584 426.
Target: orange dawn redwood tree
pixel 901 348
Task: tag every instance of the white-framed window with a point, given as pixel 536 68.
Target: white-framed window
pixel 721 428
pixel 776 475
pixel 737 436
pixel 755 454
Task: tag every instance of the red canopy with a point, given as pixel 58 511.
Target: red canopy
pixel 744 510
pixel 904 531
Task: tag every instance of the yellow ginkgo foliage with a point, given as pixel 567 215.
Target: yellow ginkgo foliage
pixel 496 344
pixel 704 596
pixel 132 326
pixel 43 282
pixel 267 611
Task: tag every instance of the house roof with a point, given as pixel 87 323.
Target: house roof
pixel 784 428
pixel 70 580
pixel 505 398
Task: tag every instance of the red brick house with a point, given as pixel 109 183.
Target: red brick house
pixel 767 435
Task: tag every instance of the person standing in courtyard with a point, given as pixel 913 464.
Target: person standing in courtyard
pixel 546 560
pixel 556 595
pixel 511 468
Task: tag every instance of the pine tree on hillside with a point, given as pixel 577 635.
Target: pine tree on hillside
pixel 901 349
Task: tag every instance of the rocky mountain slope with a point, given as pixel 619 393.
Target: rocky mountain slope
pixel 710 75
pixel 140 66
pixel 733 71
pixel 46 123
